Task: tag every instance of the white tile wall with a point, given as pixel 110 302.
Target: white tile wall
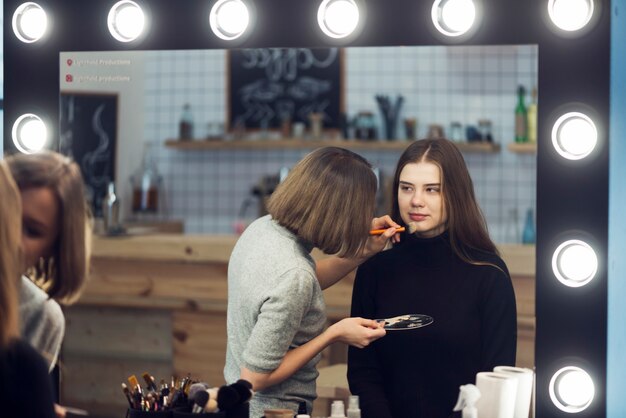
pixel 439 84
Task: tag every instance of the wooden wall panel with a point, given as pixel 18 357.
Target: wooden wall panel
pixel 103 346
pixel 200 345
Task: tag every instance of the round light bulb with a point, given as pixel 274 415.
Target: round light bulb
pixel 571 389
pixel 29 22
pixel 570 15
pixel 126 21
pixel 574 135
pixel 229 19
pixel 453 17
pixel 29 133
pixel 338 18
pixel 574 263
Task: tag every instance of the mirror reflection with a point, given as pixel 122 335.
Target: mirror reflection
pixel 193 145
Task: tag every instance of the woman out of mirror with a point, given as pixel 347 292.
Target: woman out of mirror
pixel 26 386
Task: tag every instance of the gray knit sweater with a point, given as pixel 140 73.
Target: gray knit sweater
pixel 42 323
pixel 275 303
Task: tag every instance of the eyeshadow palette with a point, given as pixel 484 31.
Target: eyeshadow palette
pixel 405 322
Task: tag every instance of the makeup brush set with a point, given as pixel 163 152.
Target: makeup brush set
pixel 185 398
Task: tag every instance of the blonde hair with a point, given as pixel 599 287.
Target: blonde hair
pixel 328 200
pixel 72 250
pixel 10 255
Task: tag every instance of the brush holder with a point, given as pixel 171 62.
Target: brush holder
pixel 136 413
pixel 186 413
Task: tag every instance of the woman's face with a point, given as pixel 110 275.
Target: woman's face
pixel 40 223
pixel 420 199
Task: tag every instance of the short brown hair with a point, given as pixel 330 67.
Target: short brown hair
pixel 10 238
pixel 328 199
pixel 466 223
pixel 62 175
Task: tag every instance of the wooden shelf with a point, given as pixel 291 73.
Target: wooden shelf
pixel 523 147
pixel 399 145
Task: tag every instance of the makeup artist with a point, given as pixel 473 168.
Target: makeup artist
pixel 55 239
pixel 448 269
pixel 276 311
pixel 26 388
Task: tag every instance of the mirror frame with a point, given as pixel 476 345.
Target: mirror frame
pixel 572 196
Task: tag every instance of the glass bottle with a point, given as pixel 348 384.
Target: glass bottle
pixel 532 117
pixel 521 129
pixel 185 128
pixel 145 182
pixel 528 235
pixel 111 210
pixel 511 233
pixel 364 126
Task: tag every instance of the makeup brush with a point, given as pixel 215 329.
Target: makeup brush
pixel 244 389
pixel 149 381
pixel 412 227
pixel 227 397
pixel 199 402
pixel 127 394
pixel 382 231
pixel 195 388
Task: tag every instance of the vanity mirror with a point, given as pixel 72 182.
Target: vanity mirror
pixel 573 76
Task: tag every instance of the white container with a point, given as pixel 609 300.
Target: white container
pixel 354 411
pixel 337 410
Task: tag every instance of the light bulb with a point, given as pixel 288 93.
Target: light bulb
pixel 29 133
pixel 229 19
pixel 574 135
pixel 571 389
pixel 453 17
pixel 29 22
pixel 570 15
pixel 126 21
pixel 338 18
pixel 574 263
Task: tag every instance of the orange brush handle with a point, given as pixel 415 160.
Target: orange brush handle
pixel 382 231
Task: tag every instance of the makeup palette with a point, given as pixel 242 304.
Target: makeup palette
pixel 406 322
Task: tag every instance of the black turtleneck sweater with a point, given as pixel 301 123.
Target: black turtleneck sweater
pixel 417 373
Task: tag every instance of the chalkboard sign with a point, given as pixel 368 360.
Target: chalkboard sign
pixel 270 85
pixel 88 134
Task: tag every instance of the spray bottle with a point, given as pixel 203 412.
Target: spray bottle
pixel 468 395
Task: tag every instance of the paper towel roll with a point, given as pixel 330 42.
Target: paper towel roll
pixel 497 395
pixel 525 379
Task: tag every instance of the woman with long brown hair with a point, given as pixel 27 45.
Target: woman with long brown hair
pixel 56 242
pixel 448 269
pixel 26 387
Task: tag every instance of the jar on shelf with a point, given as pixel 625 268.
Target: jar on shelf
pixel 435 131
pixel 484 128
pixel 315 120
pixel 146 183
pixel 456 132
pixel 185 127
pixel 364 126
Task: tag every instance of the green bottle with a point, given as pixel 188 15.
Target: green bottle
pixel 521 121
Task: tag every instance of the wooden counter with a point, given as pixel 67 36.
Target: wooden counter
pixel 157 303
